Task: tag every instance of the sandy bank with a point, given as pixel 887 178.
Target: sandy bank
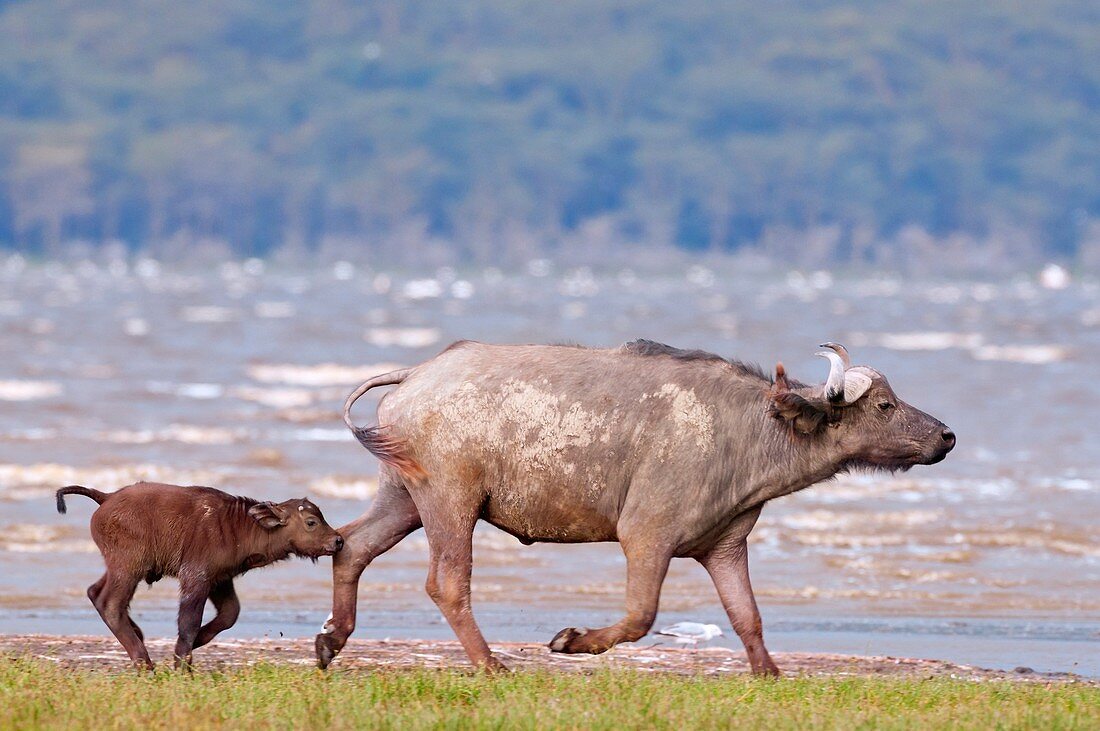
pixel 105 653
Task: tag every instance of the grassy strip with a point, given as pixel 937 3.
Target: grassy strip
pixel 38 694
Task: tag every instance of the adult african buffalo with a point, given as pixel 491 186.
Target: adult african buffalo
pixel 670 452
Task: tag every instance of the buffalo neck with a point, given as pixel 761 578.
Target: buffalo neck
pixel 261 545
pixel 766 458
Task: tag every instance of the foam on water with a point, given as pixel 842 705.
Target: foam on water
pixel 972 342
pixel 279 398
pixel 184 433
pixel 323 374
pixel 344 488
pixel 276 398
pixel 275 310
pixel 305 415
pixel 136 327
pixel 833 519
pixel 1031 539
pixel 402 337
pixel 1030 354
pixel 208 314
pixel 106 478
pixel 935 340
pixel 320 435
pixel 29 435
pixel 1072 484
pixel 29 390
pixel 36 538
pixel 419 289
pixel 198 391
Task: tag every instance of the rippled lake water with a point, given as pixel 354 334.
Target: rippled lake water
pixel 232 376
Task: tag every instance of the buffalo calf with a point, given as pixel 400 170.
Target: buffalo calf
pixel 200 535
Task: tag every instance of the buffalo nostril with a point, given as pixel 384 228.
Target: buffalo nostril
pixel 339 543
pixel 949 437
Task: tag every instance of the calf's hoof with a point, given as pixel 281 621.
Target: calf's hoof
pixel 324 646
pixel 574 640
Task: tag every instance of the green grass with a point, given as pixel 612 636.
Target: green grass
pixel 38 694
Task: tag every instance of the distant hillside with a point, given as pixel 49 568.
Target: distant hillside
pixel 865 131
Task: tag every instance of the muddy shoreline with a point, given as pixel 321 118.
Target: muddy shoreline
pixel 100 653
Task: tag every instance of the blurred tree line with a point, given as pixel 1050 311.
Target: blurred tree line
pixel 492 131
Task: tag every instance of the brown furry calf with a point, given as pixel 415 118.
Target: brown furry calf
pixel 202 536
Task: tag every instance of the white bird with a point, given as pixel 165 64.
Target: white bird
pixel 691 633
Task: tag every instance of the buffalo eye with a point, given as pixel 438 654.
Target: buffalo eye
pixel 311 523
pixel 885 406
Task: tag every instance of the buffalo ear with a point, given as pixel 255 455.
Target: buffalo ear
pixel 781 384
pixel 268 515
pixel 802 415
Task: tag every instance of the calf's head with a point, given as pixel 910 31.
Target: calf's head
pixel 298 526
pixel 857 413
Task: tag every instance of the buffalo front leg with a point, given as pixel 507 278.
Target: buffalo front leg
pixel 224 597
pixel 391 517
pixel 450 542
pixel 645 573
pixel 728 566
pixel 193 596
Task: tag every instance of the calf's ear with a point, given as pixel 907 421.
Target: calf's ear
pixel 268 515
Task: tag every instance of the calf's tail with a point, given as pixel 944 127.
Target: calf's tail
pixel 388 448
pixel 96 495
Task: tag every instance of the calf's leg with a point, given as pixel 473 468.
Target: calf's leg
pixel 228 609
pixel 193 596
pixel 391 517
pixel 93 593
pixel 94 589
pixel 111 597
pixel 728 566
pixel 646 567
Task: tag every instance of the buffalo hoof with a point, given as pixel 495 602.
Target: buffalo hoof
pixel 769 670
pixel 573 640
pixel 326 653
pixel 493 666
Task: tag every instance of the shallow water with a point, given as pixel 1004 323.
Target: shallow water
pixel 232 376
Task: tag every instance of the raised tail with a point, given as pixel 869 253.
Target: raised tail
pixel 96 495
pixel 389 449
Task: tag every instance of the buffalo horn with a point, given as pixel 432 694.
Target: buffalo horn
pixel 834 385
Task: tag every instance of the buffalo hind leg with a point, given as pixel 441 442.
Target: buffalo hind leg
pixel 450 542
pixel 96 588
pixel 728 566
pixel 645 573
pixel 111 597
pixel 391 517
pixel 93 593
pixel 228 607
